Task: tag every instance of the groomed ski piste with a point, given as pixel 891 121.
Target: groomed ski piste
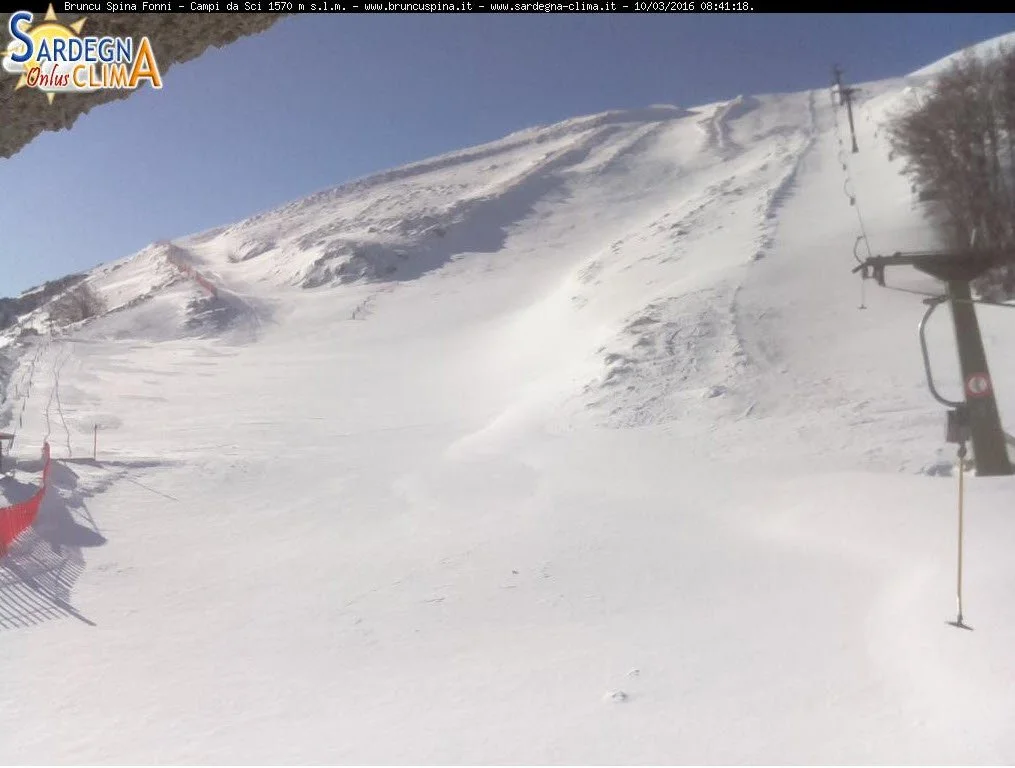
pixel 569 448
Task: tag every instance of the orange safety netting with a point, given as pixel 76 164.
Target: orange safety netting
pixel 16 519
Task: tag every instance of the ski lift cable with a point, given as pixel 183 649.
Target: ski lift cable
pixel 853 198
pixel 854 201
pixel 855 204
pixel 863 226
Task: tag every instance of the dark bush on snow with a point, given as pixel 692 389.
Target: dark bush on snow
pixel 79 303
pixel 959 148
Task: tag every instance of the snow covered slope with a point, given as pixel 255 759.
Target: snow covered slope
pixel 984 49
pixel 569 448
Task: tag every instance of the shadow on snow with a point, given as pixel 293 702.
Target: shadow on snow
pixel 41 568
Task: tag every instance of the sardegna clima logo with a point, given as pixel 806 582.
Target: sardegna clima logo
pixel 53 58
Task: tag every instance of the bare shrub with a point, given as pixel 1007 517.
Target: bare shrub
pixel 77 304
pixel 959 150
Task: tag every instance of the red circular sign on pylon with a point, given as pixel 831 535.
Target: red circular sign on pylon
pixel 978 385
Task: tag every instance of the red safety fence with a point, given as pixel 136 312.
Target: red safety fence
pixel 190 272
pixel 17 519
pixel 205 283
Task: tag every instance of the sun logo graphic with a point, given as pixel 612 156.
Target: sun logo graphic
pixel 55 58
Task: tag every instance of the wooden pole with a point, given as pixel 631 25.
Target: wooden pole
pixel 958 587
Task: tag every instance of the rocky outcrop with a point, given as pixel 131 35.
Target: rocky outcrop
pixel 13 308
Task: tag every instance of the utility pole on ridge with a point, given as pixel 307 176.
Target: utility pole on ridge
pixel 846 97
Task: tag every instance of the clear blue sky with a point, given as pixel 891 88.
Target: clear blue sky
pixel 318 100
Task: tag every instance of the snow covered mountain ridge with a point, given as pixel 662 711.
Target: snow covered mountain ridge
pixel 355 232
pixel 572 447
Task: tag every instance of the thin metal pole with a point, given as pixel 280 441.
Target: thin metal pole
pixel 95 443
pixel 849 113
pixel 958 587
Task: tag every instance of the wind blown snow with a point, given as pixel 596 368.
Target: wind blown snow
pixel 570 448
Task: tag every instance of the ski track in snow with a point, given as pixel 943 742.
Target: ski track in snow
pixel 665 346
